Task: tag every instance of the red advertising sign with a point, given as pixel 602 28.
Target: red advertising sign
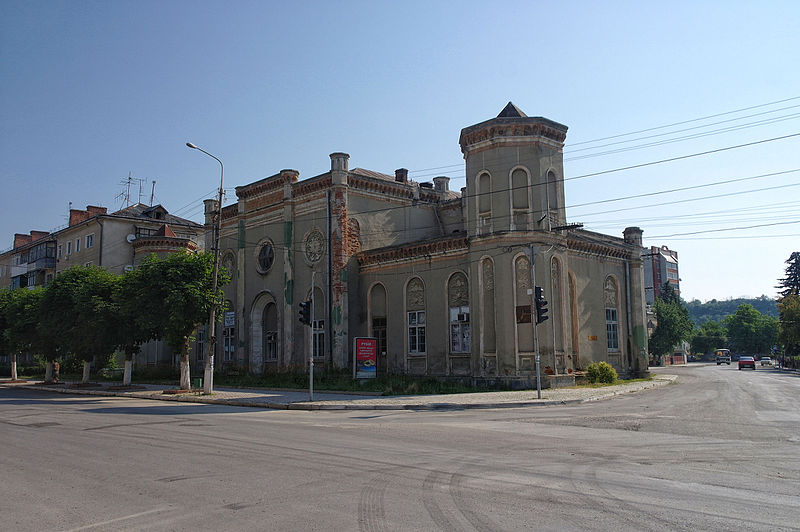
pixel 365 352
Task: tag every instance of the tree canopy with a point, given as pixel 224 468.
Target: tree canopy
pixel 709 336
pixel 673 327
pixel 791 283
pixel 180 293
pixel 750 332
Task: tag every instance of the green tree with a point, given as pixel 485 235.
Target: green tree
pixel 669 295
pixel 749 331
pixel 180 293
pixel 708 337
pixel 134 325
pixel 673 327
pixel 5 348
pixel 791 283
pixel 93 336
pixel 22 315
pixel 789 307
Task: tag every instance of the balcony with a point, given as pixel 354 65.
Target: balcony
pixel 43 263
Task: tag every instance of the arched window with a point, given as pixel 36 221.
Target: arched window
pixel 318 324
pixel 484 194
pixel 610 291
pixel 229 334
pixel 458 303
pixel 415 316
pixel 519 189
pixel 488 311
pixel 269 328
pixel 523 301
pixel 377 310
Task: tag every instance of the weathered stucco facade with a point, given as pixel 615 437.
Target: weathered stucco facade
pixel 442 279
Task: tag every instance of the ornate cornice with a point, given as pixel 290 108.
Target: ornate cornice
pixel 380 186
pixel 268 184
pixel 157 244
pixel 608 249
pixel 412 251
pixel 512 129
pixel 311 185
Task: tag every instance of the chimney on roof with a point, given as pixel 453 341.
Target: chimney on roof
pixel 94 210
pixel 36 235
pixel 401 175
pixel 339 161
pixel 77 216
pixel 441 184
pixel 633 235
pixel 21 240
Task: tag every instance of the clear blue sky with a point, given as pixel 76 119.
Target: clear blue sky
pixel 94 90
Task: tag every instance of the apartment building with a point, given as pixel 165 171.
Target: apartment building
pixel 660 267
pixel 116 241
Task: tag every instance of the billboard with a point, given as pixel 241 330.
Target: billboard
pixel 365 352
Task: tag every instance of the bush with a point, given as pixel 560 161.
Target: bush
pixel 601 372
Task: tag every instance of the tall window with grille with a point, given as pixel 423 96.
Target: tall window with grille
pixel 228 344
pixel 269 327
pixel 379 332
pixel 612 329
pixel 458 303
pixel 416 331
pixel 318 340
pixel 201 342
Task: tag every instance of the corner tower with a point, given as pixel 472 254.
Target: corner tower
pixel 514 170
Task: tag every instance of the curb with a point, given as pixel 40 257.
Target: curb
pixel 306 406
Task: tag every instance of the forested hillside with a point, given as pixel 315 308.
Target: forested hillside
pixel 715 310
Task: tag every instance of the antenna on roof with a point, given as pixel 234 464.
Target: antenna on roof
pixel 125 195
pixel 153 192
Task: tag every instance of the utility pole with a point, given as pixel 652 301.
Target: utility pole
pixel 208 374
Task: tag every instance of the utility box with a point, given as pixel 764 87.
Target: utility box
pixel 197 383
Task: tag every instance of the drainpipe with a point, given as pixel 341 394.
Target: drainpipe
pixel 100 244
pixel 329 313
pixel 628 317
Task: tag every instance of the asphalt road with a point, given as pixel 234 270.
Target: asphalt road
pixel 718 450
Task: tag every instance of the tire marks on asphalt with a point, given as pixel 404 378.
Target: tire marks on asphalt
pixel 371 510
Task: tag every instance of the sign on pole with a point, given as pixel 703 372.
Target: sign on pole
pixel 365 352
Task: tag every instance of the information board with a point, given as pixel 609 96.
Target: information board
pixel 365 352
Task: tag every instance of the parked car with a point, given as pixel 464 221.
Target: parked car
pixel 747 362
pixel 766 361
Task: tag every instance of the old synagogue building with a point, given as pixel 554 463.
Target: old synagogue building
pixel 443 279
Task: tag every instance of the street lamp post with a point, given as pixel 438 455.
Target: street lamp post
pixel 208 374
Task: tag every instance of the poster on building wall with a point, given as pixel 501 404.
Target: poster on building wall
pixel 365 352
pixel 230 319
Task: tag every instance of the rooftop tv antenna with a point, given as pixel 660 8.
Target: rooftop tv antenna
pixel 125 195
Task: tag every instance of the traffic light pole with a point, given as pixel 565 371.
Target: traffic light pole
pixel 532 251
pixel 311 345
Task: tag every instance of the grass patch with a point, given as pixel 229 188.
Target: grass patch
pixel 616 382
pixel 342 380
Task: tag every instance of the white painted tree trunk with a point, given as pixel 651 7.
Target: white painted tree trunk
pixel 13 367
pixel 126 376
pixel 86 369
pixel 48 372
pixel 185 385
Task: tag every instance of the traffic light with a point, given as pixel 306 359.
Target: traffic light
pixel 305 312
pixel 541 305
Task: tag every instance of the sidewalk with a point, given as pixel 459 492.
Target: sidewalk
pixel 298 399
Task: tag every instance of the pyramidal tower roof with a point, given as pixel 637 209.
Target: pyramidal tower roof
pixel 511 111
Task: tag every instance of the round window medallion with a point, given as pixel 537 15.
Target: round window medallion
pixel 266 257
pixel 315 246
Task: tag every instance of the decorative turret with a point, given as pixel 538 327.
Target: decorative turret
pixel 514 173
